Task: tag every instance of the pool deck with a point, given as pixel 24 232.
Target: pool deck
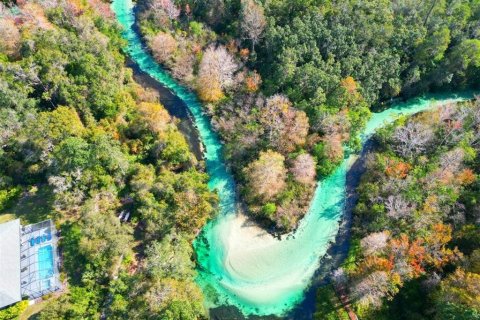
pixel 35 281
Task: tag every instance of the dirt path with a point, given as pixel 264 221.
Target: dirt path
pixel 343 297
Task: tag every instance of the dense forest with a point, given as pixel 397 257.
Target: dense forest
pixel 416 236
pixel 290 83
pixel 80 143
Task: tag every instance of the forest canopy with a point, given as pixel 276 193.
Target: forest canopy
pixel 415 235
pixel 299 77
pixel 83 144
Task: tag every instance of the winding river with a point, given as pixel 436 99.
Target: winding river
pixel 239 263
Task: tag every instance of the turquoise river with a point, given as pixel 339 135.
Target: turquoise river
pixel 239 263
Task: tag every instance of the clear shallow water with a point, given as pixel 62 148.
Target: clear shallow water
pixel 240 265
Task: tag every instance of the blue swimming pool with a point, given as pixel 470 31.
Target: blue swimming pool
pixel 45 265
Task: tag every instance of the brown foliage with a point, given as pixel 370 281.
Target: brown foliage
pixel 303 169
pixel 163 45
pixel 349 85
pixel 266 175
pixel 155 116
pixel 333 147
pixel 9 37
pixel 215 74
pixel 462 287
pixel 397 168
pixel 286 127
pixel 209 90
pixel 244 53
pixel 252 82
pixel 437 253
pixel 466 177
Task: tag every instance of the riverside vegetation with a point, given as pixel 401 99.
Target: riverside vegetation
pixel 415 251
pixel 84 141
pixel 262 65
pixel 289 85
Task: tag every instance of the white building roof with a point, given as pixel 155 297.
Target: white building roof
pixel 9 263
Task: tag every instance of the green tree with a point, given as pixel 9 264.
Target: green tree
pixel 170 258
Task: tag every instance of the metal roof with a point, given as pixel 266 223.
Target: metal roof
pixel 9 263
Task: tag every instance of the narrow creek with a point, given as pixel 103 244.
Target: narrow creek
pixel 241 265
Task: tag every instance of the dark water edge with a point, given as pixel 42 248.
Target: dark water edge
pixel 175 106
pixel 336 254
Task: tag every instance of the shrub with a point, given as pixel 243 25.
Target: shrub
pixel 14 311
pixel 269 209
pixel 7 196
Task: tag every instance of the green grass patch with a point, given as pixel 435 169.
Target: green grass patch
pixel 32 312
pixel 31 207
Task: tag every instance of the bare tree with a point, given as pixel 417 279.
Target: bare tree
pixel 215 73
pixel 375 242
pixel 471 115
pixel 333 124
pixel 403 268
pixel 183 67
pixel 166 6
pixel 432 282
pixel 163 45
pixel 452 160
pixel 271 115
pixel 218 64
pixel 253 21
pixel 304 168
pixel 68 195
pixel 59 183
pixel 412 139
pixel 333 147
pixel 457 214
pixel 9 124
pixel 393 185
pixel 397 207
pixel 339 277
pixel 286 126
pixel 447 111
pixel 372 289
pixel 266 176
